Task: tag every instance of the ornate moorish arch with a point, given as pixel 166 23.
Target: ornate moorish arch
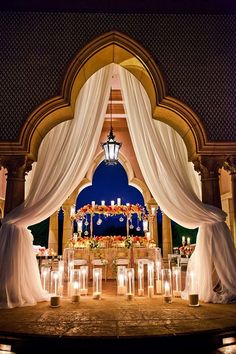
pixel 115 47
pixel 103 50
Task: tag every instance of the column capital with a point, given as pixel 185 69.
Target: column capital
pixel 17 166
pixel 208 166
pixel 151 204
pixel 230 165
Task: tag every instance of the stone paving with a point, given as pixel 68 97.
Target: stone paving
pixel 115 317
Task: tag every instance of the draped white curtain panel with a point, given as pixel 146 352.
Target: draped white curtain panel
pixel 162 158
pixel 63 160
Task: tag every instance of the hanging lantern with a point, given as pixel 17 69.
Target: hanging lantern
pixel 111 147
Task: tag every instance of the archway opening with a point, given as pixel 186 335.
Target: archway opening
pixel 110 183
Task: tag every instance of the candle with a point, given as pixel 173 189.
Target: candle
pixel 183 239
pixel 103 202
pixel 121 285
pixel 44 279
pixel 148 234
pixel 72 211
pixel 80 225
pixel 140 281
pixel 176 281
pixel 153 210
pixel 167 294
pixel 118 201
pixel 145 225
pixel 167 288
pixel 129 287
pixel 150 279
pixel 93 203
pixel 158 286
pixel 55 301
pixel 112 203
pixel 193 300
pixel 84 276
pixel 188 240
pixel 75 296
pixel 150 291
pixel 55 282
pixel 127 204
pixel 96 292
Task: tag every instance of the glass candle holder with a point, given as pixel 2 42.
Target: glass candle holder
pixel 75 285
pixel 140 278
pixel 130 289
pixel 158 277
pixel 97 283
pixel 148 235
pixel 61 276
pixel 192 286
pixel 174 260
pixel 150 278
pixel 45 277
pixel 145 225
pixel 54 289
pixel 121 282
pixel 84 280
pixel 176 277
pixel 166 285
pixel 68 257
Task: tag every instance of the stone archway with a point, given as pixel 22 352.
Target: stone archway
pixel 114 47
pixel 120 49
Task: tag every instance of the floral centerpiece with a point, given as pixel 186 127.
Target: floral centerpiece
pixel 109 210
pixel 186 250
pixel 128 242
pixel 109 241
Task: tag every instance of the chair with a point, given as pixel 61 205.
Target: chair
pixel 99 260
pixel 81 257
pixel 122 257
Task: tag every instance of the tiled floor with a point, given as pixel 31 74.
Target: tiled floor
pixel 114 321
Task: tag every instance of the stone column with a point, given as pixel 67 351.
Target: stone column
pixel 167 246
pixel 152 219
pixel 53 232
pixel 208 167
pixel 230 166
pixel 17 167
pixel 67 225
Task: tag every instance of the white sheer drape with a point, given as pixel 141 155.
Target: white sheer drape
pixel 162 158
pixel 64 157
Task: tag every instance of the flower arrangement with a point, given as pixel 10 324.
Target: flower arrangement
pixel 109 210
pixel 186 250
pixel 93 243
pixel 128 242
pixel 109 241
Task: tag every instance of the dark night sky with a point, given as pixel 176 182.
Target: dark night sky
pixel 110 183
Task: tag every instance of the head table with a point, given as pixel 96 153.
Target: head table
pixel 111 254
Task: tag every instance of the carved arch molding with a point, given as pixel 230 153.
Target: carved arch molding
pixel 120 49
